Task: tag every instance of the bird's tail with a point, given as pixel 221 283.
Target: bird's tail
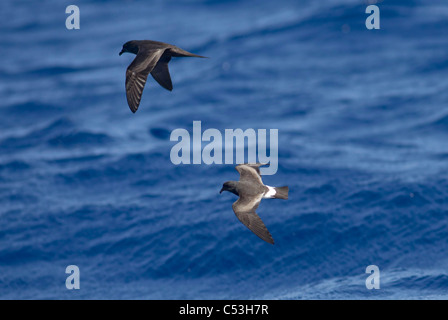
pixel 281 193
pixel 183 53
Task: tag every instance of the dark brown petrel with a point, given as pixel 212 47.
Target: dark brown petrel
pixel 152 57
pixel 251 190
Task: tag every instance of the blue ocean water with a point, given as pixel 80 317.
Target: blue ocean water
pixel 363 129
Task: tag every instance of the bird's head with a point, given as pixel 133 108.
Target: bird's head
pixel 230 186
pixel 130 46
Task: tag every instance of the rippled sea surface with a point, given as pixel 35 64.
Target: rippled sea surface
pixel 362 119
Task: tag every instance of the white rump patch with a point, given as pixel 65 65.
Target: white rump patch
pixel 271 192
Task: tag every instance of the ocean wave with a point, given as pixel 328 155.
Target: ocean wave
pixel 361 122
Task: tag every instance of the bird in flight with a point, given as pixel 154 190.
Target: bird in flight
pixel 250 190
pixel 152 57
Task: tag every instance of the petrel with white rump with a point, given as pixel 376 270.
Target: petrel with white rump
pixel 251 190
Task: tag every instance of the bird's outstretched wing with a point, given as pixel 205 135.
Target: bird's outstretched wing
pixel 137 73
pixel 250 172
pixel 161 74
pixel 244 209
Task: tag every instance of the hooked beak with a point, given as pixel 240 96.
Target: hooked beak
pixel 221 190
pixel 121 52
